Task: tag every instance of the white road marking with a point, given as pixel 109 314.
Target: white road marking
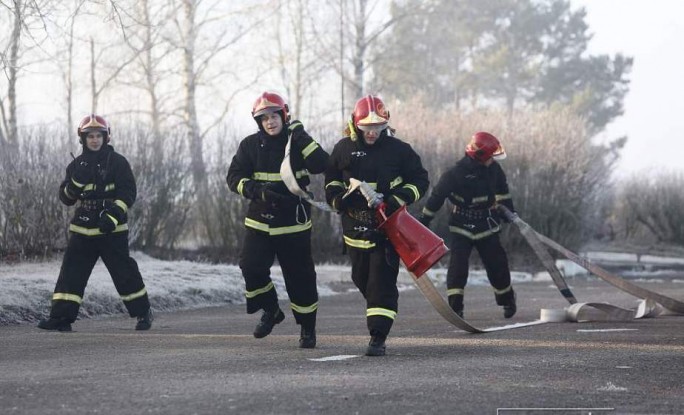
pixel 603 330
pixel 333 358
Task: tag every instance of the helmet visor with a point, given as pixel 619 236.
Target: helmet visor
pixel 499 154
pixel 266 110
pixel 372 128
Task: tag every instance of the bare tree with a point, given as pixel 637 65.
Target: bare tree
pixel 26 19
pixel 203 38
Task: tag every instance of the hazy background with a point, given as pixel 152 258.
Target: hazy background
pixel 652 33
pixel 581 93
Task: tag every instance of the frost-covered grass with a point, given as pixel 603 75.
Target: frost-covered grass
pixel 176 285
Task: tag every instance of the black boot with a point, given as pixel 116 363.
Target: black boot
pixel 58 324
pixel 268 320
pixel 510 308
pixel 307 338
pixel 376 346
pixel 145 321
pixel 456 304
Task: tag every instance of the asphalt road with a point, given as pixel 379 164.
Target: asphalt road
pixel 207 362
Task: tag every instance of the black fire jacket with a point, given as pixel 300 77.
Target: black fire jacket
pixel 474 189
pixel 390 166
pixel 257 163
pixel 110 181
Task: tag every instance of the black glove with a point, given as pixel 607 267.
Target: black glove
pixel 278 200
pixel 107 222
pixel 82 174
pixel 424 219
pixel 392 204
pixel 111 216
pixel 296 128
pixel 340 204
pixel 79 178
pixel 299 136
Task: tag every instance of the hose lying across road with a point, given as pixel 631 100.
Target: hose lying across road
pixel 649 307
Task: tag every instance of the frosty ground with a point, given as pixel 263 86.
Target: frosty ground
pixel 181 285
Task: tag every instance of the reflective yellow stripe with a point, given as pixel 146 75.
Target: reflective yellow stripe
pixel 133 296
pixel 77 184
pixel 457 197
pixel 428 212
pixel 94 231
pixel 110 186
pixel 89 187
pixel 480 199
pixel 309 149
pixel 470 235
pixel 275 177
pixel 116 222
pixel 336 183
pixel 241 186
pixel 377 311
pixel 414 189
pixel 67 297
pixel 373 186
pixel 503 196
pixel 66 192
pixel 396 182
pixel 358 243
pixel 252 294
pixel 399 200
pixel 504 291
pixel 304 310
pixel 455 291
pixel 120 203
pixel 251 223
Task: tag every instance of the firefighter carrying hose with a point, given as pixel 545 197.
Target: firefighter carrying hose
pixel 370 153
pixel 100 180
pixel 475 185
pixel 278 223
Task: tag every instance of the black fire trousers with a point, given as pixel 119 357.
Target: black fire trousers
pixel 493 257
pixel 374 273
pixel 79 259
pixel 293 251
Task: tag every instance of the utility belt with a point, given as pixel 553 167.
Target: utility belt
pixel 473 214
pixel 93 205
pixel 365 216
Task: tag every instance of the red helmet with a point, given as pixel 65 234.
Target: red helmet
pixel 483 146
pixel 370 111
pixel 94 123
pixel 270 102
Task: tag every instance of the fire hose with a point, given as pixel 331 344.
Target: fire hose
pixel 290 180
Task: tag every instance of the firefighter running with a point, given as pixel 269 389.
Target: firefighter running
pixel 474 186
pixel 102 183
pixel 278 223
pixel 370 153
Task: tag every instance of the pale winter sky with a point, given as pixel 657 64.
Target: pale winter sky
pixel 653 33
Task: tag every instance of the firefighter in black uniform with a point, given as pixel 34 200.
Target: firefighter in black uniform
pixel 371 153
pixel 474 186
pixel 102 183
pixel 278 223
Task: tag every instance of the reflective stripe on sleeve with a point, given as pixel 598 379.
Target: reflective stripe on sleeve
pixel 309 149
